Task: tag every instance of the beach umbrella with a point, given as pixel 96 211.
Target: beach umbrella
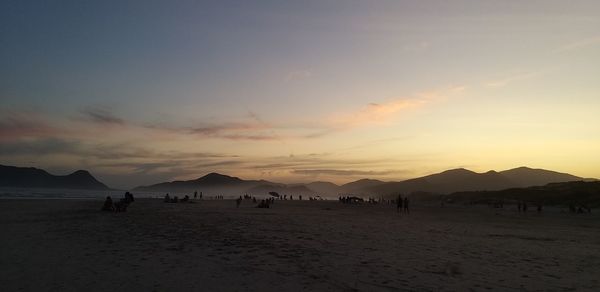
pixel 274 194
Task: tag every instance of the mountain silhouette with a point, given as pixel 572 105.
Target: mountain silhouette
pixel 31 177
pixel 446 182
pixel 461 180
pixel 212 183
pixel 323 187
pixel 525 176
pixel 360 186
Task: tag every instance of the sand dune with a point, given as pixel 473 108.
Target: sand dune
pixel 68 245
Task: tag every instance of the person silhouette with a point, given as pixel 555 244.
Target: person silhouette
pixel 108 205
pixel 399 203
pixel 406 210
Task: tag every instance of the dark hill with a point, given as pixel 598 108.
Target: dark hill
pixel 30 177
pixel 212 183
pixel 447 182
pixel 565 193
pixel 525 176
pixel 360 186
pixel 323 188
pixel 462 180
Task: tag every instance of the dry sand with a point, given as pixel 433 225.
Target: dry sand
pixel 69 245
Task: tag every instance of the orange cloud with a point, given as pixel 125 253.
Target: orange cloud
pixel 378 113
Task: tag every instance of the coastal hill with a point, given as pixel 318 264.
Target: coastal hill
pixel 31 177
pixel 220 184
pixel 525 176
pixel 361 186
pixel 212 183
pixel 443 183
pixel 461 180
pixel 450 181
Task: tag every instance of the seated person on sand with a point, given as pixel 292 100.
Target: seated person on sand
pixel 108 205
pixel 167 198
pixel 185 199
pixel 263 204
pixel 121 205
pixel 129 197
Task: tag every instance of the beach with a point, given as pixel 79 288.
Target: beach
pixel 210 245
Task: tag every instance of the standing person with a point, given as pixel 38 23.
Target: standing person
pixel 399 203
pixel 238 202
pixel 108 205
pixel 406 205
pixel 195 195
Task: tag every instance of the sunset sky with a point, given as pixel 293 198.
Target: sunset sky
pixel 139 92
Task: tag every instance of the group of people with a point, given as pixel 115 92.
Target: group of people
pixel 402 205
pixel 196 195
pixel 523 207
pixel 266 203
pixel 579 209
pixel 175 199
pixel 350 200
pixel 119 206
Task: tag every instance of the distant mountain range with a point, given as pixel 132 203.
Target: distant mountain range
pixel 457 180
pixel 30 177
pixel 447 182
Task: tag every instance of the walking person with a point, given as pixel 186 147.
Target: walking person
pixel 399 203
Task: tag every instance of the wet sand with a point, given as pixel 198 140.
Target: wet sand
pixel 69 245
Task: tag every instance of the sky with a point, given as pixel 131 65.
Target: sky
pixel 140 92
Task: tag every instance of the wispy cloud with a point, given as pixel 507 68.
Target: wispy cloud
pixel 21 124
pixel 338 172
pixel 298 75
pixel 38 147
pixel 510 79
pixel 101 115
pixel 382 112
pixel 587 42
pixel 251 131
pixel 216 130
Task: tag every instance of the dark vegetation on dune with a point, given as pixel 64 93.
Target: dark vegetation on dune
pixel 565 193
